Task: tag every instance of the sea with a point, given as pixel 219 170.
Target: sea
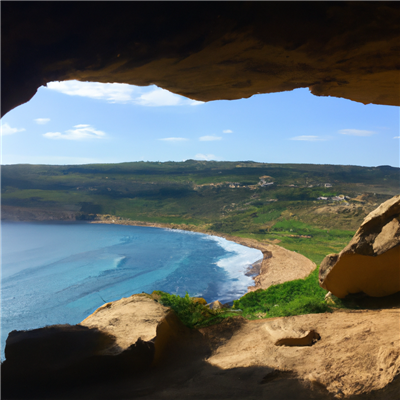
pixel 61 272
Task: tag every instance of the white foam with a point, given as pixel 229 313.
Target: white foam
pixel 236 266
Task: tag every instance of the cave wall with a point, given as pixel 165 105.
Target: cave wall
pixel 204 50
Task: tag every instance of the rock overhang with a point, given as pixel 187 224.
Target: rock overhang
pixel 205 51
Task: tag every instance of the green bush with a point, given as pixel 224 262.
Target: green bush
pixel 192 314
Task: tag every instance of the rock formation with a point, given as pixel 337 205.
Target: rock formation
pixel 119 340
pixel 354 353
pixel 204 51
pixel 370 263
pixel 118 317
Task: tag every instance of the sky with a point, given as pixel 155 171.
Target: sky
pixel 75 122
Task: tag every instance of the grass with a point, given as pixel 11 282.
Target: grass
pixel 301 296
pixel 191 313
pixel 287 212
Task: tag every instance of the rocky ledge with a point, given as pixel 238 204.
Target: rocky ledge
pixel 137 348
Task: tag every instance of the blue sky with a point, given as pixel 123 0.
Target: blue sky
pixel 80 122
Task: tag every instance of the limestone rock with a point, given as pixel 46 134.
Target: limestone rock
pixel 358 356
pixel 60 355
pixel 370 263
pixel 359 352
pixel 122 339
pixel 210 51
pixel 127 319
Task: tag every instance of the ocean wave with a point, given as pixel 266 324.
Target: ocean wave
pixel 118 262
pixel 181 231
pixel 236 264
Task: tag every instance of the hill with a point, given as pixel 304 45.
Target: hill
pixel 313 209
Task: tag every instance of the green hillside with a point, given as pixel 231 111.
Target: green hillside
pixel 277 202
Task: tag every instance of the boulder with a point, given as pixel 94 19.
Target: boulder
pixel 117 318
pixel 370 263
pixel 123 339
pixel 118 339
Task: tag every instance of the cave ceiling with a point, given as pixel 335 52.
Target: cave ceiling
pixel 205 50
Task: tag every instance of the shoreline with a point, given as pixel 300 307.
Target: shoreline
pixel 253 270
pixel 278 264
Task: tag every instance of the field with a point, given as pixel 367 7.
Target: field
pixel 311 209
pixel 274 202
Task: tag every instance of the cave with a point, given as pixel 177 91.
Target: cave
pixel 207 51
pixel 204 50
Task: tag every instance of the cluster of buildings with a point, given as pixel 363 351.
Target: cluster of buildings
pixel 341 197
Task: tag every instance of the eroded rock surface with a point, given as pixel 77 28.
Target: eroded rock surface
pixel 127 320
pixel 370 263
pixel 205 51
pixel 358 354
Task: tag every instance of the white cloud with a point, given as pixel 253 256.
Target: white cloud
pixel 206 157
pixel 111 92
pixel 174 139
pixel 356 132
pixel 150 96
pixel 209 138
pixel 309 138
pixel 227 131
pixel 7 130
pixel 195 102
pixel 42 121
pixel 158 97
pixel 396 137
pixel 81 132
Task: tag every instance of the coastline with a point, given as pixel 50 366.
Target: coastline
pixel 278 264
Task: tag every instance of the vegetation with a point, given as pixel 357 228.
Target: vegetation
pixel 191 313
pixel 301 296
pixel 276 203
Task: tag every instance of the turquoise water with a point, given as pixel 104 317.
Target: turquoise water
pixel 56 273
